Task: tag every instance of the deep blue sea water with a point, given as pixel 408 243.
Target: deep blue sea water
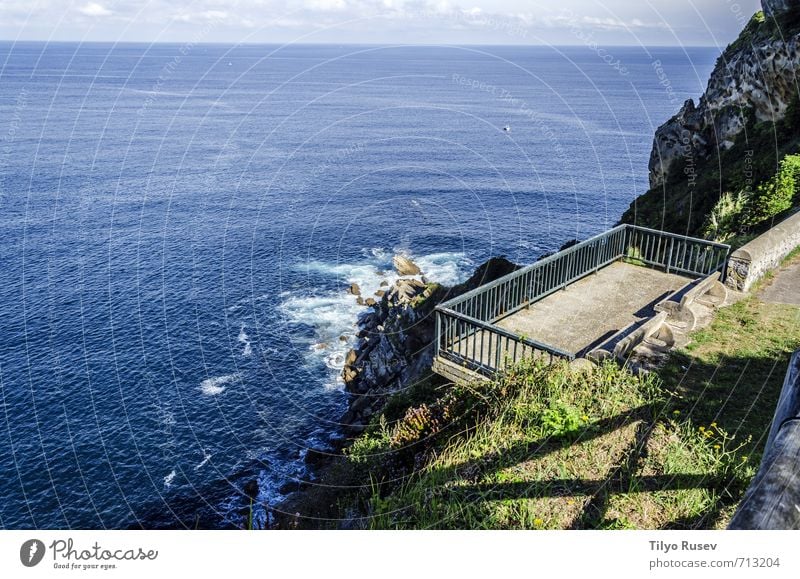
pixel 179 223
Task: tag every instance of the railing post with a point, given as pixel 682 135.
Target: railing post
pixel 438 335
pixel 671 246
pixel 623 246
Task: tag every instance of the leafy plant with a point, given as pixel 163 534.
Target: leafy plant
pixel 776 194
pixel 561 420
pixel 725 219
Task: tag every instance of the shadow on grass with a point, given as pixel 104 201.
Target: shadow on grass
pixel 736 393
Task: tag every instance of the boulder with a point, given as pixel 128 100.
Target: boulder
pixel 354 289
pixel 350 359
pixel 349 374
pixel 405 266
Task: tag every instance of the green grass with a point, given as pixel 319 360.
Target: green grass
pixel 550 448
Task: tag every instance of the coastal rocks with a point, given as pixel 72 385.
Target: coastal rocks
pixel 395 341
pixel 354 289
pixel 755 75
pixel 404 266
pixel 404 291
pixel 678 138
pixel 379 363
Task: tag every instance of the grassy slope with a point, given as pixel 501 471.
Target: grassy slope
pixel 546 448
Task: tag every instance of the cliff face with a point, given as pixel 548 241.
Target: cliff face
pixel 777 7
pixel 755 80
pixel 758 74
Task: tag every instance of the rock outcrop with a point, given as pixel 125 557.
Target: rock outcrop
pixel 395 340
pixel 404 266
pixel 757 75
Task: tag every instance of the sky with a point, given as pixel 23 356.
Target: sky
pixel 563 22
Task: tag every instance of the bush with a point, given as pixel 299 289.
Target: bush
pixel 791 165
pixel 776 194
pixel 725 219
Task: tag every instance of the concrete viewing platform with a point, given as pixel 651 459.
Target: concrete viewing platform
pixel 606 296
pixel 596 310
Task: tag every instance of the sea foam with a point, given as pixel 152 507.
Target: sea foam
pixel 333 314
pixel 217 384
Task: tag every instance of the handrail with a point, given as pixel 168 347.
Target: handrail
pixel 465 317
pixel 511 335
pixel 538 264
pixel 675 253
pixel 677 236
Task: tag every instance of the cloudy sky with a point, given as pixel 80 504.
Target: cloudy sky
pixel 610 22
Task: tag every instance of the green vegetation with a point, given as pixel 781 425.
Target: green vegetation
pixel 688 207
pixel 549 447
pixel 725 219
pixel 774 195
pixel 746 209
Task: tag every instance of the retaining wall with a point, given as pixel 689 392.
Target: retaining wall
pixel 750 262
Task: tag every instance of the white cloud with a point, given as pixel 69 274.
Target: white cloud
pixel 403 21
pixel 94 9
pixel 327 5
pixel 205 16
pixel 616 23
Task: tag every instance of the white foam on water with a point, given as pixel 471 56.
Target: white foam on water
pixel 243 338
pixel 206 458
pixel 217 384
pixel 446 268
pixel 333 314
pixel 169 478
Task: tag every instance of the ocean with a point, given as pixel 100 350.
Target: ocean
pixel 181 222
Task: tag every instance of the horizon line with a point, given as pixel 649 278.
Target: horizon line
pixel 347 43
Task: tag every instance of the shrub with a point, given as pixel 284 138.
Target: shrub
pixel 776 194
pixel 726 219
pixel 791 165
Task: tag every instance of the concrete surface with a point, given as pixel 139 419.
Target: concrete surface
pixel 595 310
pixel 784 287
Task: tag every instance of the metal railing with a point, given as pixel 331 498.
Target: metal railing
pixel 675 253
pixel 465 326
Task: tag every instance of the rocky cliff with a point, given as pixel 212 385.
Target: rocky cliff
pixel 754 81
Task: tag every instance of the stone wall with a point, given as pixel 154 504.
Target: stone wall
pixel 750 262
